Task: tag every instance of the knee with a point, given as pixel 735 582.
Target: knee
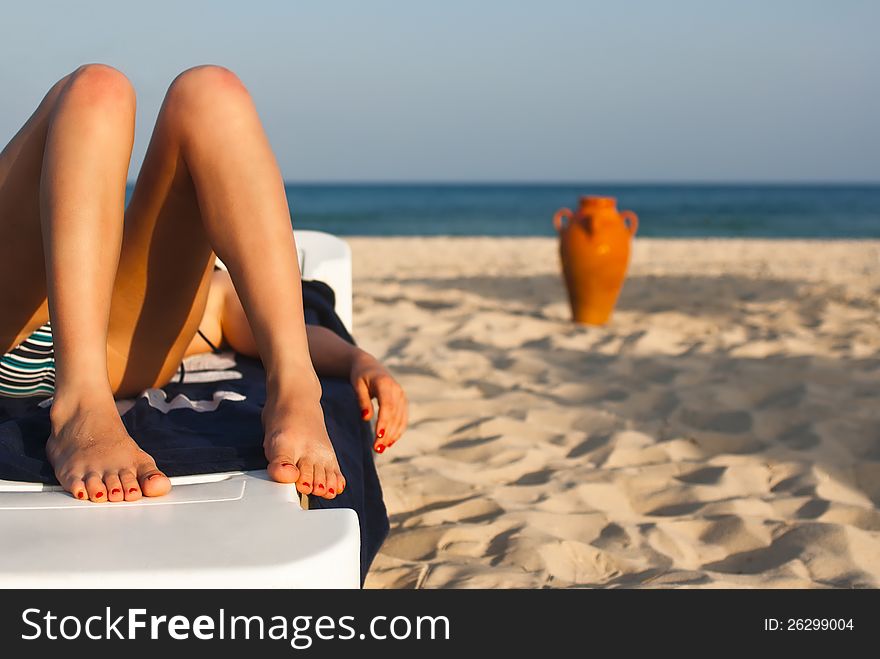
pixel 201 88
pixel 101 86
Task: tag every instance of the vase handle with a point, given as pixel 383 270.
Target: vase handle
pixel 557 218
pixel 631 220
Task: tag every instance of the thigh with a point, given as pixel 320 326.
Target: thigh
pixel 165 264
pixel 164 271
pixel 23 305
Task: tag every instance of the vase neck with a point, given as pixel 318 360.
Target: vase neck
pixel 592 204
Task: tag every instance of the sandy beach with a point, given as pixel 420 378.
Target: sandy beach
pixel 722 431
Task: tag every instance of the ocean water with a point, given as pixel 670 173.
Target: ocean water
pixel 760 211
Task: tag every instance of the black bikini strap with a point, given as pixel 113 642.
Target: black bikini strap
pixel 214 348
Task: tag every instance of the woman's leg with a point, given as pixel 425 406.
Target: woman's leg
pixel 62 182
pixel 209 183
pixel 208 180
pixel 23 305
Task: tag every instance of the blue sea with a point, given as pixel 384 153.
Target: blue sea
pixel 756 211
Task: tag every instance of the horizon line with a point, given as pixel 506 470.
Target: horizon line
pixel 564 182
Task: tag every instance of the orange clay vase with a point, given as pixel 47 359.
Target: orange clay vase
pixel 594 245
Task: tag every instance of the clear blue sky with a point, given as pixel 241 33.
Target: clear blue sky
pixel 461 90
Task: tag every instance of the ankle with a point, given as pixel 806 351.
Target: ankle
pixel 302 390
pixel 72 401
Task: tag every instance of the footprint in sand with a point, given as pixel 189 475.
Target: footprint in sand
pixel 677 509
pixel 813 509
pixel 823 548
pixel 731 422
pixel 704 476
pixel 592 443
pixel 655 372
pixel 786 398
pixel 419 544
pixel 613 538
pixel 469 511
pixel 472 449
pixel 800 437
pixel 800 485
pixel 534 478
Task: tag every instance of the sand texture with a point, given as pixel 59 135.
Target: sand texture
pixel 722 431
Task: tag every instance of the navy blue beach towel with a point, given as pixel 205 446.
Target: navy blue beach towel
pixel 211 423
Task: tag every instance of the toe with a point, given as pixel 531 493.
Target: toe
pixel 77 489
pixel 282 469
pixel 332 483
pixel 131 489
pixel 114 487
pixel 95 488
pixel 320 484
pixel 153 482
pixel 306 480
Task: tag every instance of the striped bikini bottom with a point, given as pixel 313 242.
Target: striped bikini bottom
pixel 29 368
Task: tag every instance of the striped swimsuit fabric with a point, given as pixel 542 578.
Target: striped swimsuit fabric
pixel 29 368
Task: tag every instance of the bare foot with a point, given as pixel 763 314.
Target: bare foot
pixel 299 450
pixel 93 456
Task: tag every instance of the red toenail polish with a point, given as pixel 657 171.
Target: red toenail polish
pixel 99 495
pixel 379 448
pixel 381 433
pixel 320 485
pixel 331 491
pixel 115 490
pixel 132 490
pixel 365 412
pixel 305 484
pixel 80 495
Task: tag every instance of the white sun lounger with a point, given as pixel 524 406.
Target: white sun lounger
pixel 231 530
